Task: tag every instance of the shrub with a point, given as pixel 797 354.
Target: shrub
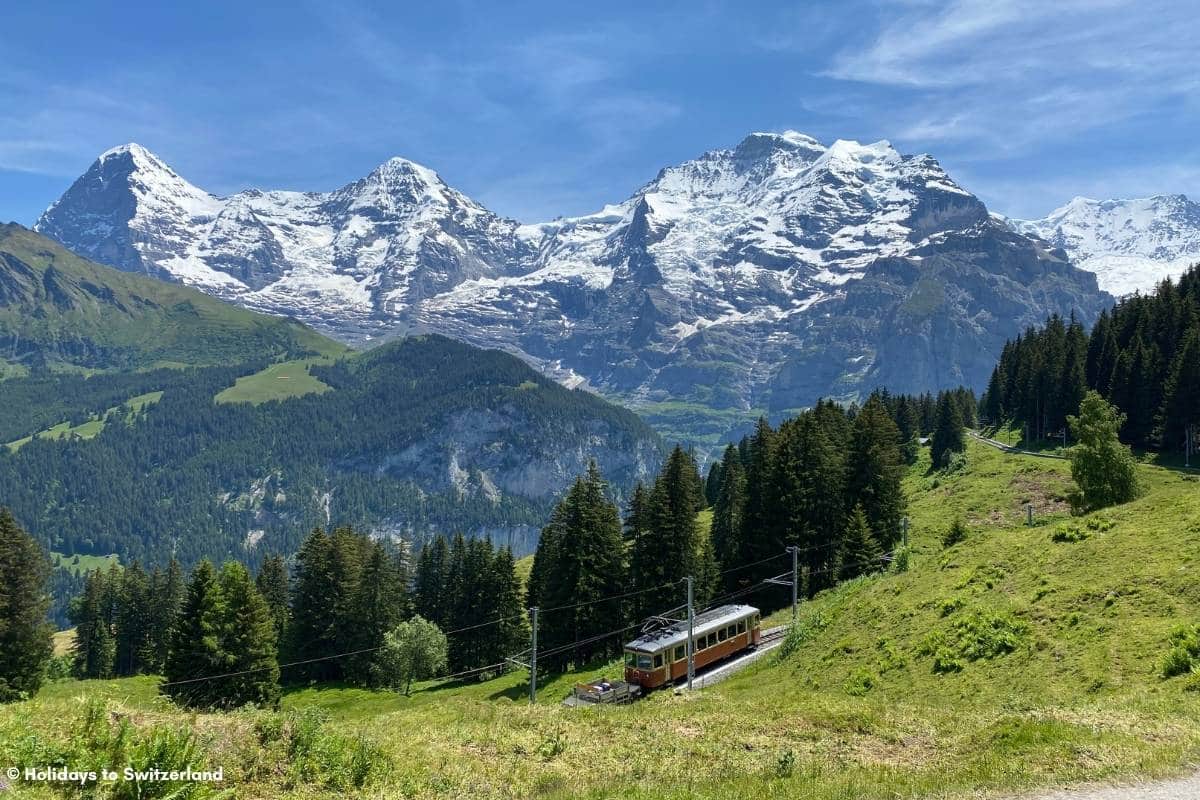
pixel 950 605
pixel 956 533
pixel 900 560
pixel 979 635
pixel 1184 653
pixel 1069 532
pixel 860 682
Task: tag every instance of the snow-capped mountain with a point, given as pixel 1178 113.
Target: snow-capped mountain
pixel 340 259
pixel 747 280
pixel 1130 244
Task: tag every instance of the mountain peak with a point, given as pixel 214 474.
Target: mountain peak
pixel 138 157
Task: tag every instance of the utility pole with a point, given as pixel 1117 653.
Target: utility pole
pixel 1029 514
pixel 691 647
pixel 533 614
pixel 795 551
pixel 904 531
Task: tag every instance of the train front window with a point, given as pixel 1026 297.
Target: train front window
pixel 644 662
pixel 630 659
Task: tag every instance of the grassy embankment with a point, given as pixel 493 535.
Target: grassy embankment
pixel 1005 662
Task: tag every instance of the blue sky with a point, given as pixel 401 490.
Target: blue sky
pixel 540 109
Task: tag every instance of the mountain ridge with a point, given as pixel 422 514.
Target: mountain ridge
pixel 706 287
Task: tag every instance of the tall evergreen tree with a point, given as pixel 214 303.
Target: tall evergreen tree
pixel 1181 395
pixel 875 471
pixel 948 435
pixel 132 617
pixel 167 592
pixel 375 610
pixel 272 582
pixel 860 551
pixel 313 629
pixel 246 643
pixel 585 575
pixel 25 636
pixel 430 581
pixel 95 648
pixel 196 647
pixel 726 533
pixel 668 551
pixel 712 484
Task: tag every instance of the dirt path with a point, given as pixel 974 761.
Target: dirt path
pixel 1185 788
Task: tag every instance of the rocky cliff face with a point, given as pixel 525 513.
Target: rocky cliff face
pixel 745 281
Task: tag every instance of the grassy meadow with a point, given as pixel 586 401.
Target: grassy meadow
pixel 1019 658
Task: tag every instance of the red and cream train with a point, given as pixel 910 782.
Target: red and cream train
pixel 660 657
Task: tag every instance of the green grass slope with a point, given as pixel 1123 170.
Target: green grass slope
pixel 63 312
pixel 1048 654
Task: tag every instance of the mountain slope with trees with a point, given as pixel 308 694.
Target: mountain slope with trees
pixel 59 311
pixel 422 436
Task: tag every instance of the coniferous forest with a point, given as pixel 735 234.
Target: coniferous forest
pixel 1143 357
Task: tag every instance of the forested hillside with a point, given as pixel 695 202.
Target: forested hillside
pixel 61 312
pixel 421 436
pixel 1143 356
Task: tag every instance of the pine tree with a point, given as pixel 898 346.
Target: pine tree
pixel 1181 395
pixel 756 511
pixel 908 422
pixel 707 578
pixel 25 636
pixel 667 552
pixel 247 646
pixel 272 583
pixel 376 610
pixel 822 509
pixel 726 533
pixel 580 573
pixel 712 484
pixel 313 629
pixel 430 581
pixel 95 647
pixel 512 631
pixel 196 646
pixel 167 591
pixel 132 618
pixel 875 471
pixel 860 552
pixel 948 435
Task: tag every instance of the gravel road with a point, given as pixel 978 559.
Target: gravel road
pixel 1186 788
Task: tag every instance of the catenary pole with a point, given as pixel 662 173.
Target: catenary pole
pixel 795 551
pixel 691 642
pixel 533 615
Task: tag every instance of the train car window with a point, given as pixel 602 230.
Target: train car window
pixel 680 653
pixel 754 621
pixel 722 634
pixel 712 640
pixel 699 643
pixel 741 626
pixel 658 662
